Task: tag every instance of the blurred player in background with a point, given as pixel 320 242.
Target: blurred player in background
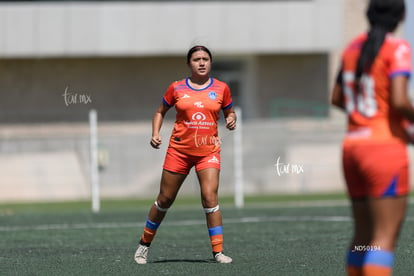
pixel 198 100
pixel 372 88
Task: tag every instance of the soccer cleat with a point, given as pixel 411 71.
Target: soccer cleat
pixel 222 259
pixel 141 254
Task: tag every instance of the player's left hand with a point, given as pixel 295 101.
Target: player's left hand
pixel 231 121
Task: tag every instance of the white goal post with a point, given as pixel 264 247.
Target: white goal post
pixel 93 135
pixel 238 160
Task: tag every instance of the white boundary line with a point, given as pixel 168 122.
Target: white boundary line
pixel 109 225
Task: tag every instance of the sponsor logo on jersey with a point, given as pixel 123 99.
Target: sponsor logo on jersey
pixel 212 95
pixel 198 116
pixel 199 104
pixel 198 121
pixel 185 96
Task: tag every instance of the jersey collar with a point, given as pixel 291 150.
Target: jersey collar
pixel 187 82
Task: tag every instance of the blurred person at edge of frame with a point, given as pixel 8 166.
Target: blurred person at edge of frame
pixel 371 88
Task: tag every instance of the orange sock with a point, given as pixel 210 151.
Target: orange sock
pixel 216 238
pixel 217 243
pixel 375 270
pixel 149 231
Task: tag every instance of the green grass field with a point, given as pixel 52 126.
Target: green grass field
pixel 272 235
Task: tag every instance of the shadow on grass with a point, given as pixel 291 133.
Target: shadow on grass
pixel 182 261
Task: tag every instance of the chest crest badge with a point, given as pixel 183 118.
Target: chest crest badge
pixel 212 95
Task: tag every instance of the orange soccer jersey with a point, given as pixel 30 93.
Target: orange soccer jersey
pixel 374 152
pixel 369 113
pixel 198 110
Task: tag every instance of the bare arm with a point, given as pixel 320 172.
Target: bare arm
pixel 230 117
pixel 399 97
pixel 337 96
pixel 157 120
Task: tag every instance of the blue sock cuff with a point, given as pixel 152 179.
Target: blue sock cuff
pixel 355 258
pixel 152 225
pixel 380 258
pixel 215 230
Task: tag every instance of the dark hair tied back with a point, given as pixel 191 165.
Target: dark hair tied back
pixel 384 16
pixel 386 13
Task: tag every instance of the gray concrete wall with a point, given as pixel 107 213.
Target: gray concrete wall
pixel 45 90
pixel 292 85
pixel 65 89
pixel 51 161
pixel 167 27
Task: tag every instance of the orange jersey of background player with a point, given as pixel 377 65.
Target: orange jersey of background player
pixel 198 110
pixel 369 114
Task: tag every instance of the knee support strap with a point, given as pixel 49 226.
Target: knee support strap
pixel 159 208
pixel 211 210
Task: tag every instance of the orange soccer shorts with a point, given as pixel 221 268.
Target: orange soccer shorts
pixel 376 169
pixel 178 162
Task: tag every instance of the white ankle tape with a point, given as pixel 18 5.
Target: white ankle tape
pixel 159 208
pixel 211 210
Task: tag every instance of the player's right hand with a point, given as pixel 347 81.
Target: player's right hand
pixel 156 142
pixel 409 130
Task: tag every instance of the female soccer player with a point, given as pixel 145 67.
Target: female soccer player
pixel 198 100
pixel 372 88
